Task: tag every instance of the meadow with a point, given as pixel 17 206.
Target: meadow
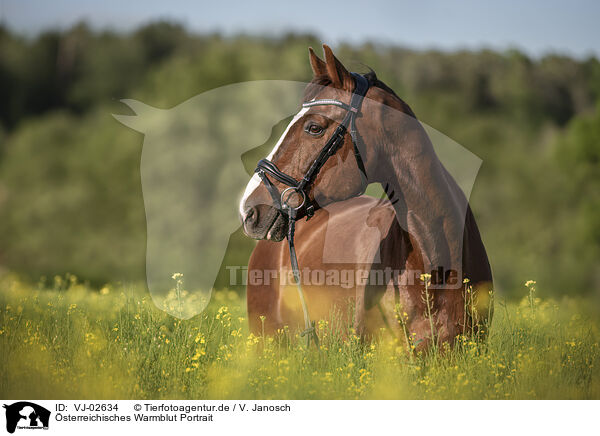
pixel 61 339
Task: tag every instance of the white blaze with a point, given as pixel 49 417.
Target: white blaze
pixel 255 180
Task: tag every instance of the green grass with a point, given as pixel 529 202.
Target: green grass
pixel 73 342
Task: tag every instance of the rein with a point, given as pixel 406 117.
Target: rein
pixel 301 187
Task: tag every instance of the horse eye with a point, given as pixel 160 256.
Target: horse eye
pixel 314 129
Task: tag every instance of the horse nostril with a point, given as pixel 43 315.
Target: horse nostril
pixel 250 216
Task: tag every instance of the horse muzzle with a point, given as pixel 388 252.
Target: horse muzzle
pixel 265 222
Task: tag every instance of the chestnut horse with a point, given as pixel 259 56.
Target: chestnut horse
pixel 360 257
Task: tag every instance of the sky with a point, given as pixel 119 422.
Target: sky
pixel 535 27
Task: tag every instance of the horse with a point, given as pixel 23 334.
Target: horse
pixel 422 243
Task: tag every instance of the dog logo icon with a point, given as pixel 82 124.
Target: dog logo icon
pixel 26 415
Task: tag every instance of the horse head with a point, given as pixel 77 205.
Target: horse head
pixel 300 144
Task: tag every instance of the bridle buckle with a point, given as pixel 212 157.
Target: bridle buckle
pixel 285 200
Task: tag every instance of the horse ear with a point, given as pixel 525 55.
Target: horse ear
pixel 318 66
pixel 144 116
pixel 339 75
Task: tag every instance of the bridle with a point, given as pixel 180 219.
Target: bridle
pixel 301 187
pixel 266 167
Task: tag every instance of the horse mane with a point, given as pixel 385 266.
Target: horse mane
pixel 316 84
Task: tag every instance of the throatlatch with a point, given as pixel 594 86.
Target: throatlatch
pixel 302 187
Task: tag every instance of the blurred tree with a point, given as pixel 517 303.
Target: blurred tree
pixel 577 154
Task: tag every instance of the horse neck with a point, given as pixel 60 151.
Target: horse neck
pixel 430 206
